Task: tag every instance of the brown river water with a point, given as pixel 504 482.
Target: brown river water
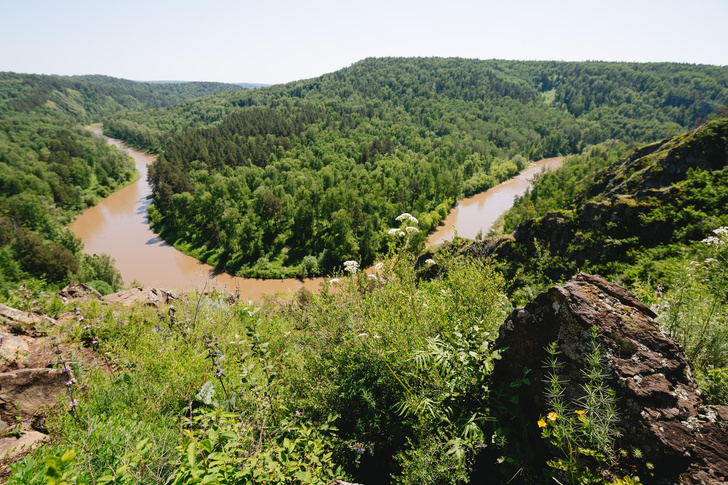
pixel 118 226
pixel 478 213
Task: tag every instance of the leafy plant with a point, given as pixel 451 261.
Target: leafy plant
pixel 583 429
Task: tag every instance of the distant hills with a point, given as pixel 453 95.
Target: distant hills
pixel 242 85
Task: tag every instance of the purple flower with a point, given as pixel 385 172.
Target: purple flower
pixel 66 370
pixel 298 413
pixel 73 404
pixel 69 382
pixel 95 340
pixel 218 373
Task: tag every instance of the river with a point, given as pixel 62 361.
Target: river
pixel 118 226
pixel 478 213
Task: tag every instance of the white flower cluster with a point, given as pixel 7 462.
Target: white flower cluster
pixel 430 262
pixel 721 234
pixel 407 217
pixel 351 266
pixel 395 232
pixel 411 229
pixel 379 266
pixel 712 240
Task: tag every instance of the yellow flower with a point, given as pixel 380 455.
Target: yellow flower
pixel 541 423
pixel 552 416
pixel 579 412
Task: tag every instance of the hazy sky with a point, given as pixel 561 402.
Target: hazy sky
pixel 270 41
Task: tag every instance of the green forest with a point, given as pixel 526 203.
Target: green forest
pixel 292 180
pixel 52 168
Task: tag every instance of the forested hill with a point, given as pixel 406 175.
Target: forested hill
pixel 296 178
pixel 638 102
pixel 51 168
pixel 86 98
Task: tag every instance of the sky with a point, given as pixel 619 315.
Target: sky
pixel 269 41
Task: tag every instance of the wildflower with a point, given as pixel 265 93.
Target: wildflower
pixel 711 260
pixel 334 280
pixel 358 449
pixel 401 233
pixel 66 370
pixel 712 240
pixel 430 262
pixel 94 340
pixel 297 412
pixel 363 334
pixel 541 423
pixel 579 412
pixel 376 336
pixel 552 416
pixel 407 216
pixel 379 266
pixel 372 276
pixel 411 229
pixel 73 404
pixel 351 266
pixel 393 231
pixel 721 230
pixel 69 382
pixel 86 327
pixel 218 373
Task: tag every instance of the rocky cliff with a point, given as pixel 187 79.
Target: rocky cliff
pixel 664 432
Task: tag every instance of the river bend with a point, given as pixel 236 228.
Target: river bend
pixel 118 226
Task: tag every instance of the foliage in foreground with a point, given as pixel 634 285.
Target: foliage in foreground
pixel 378 378
pixel 364 380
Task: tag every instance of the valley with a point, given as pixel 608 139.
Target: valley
pixel 584 341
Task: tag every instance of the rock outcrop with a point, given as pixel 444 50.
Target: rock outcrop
pixel 23 321
pixel 27 384
pixel 147 296
pixel 80 291
pixel 679 440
